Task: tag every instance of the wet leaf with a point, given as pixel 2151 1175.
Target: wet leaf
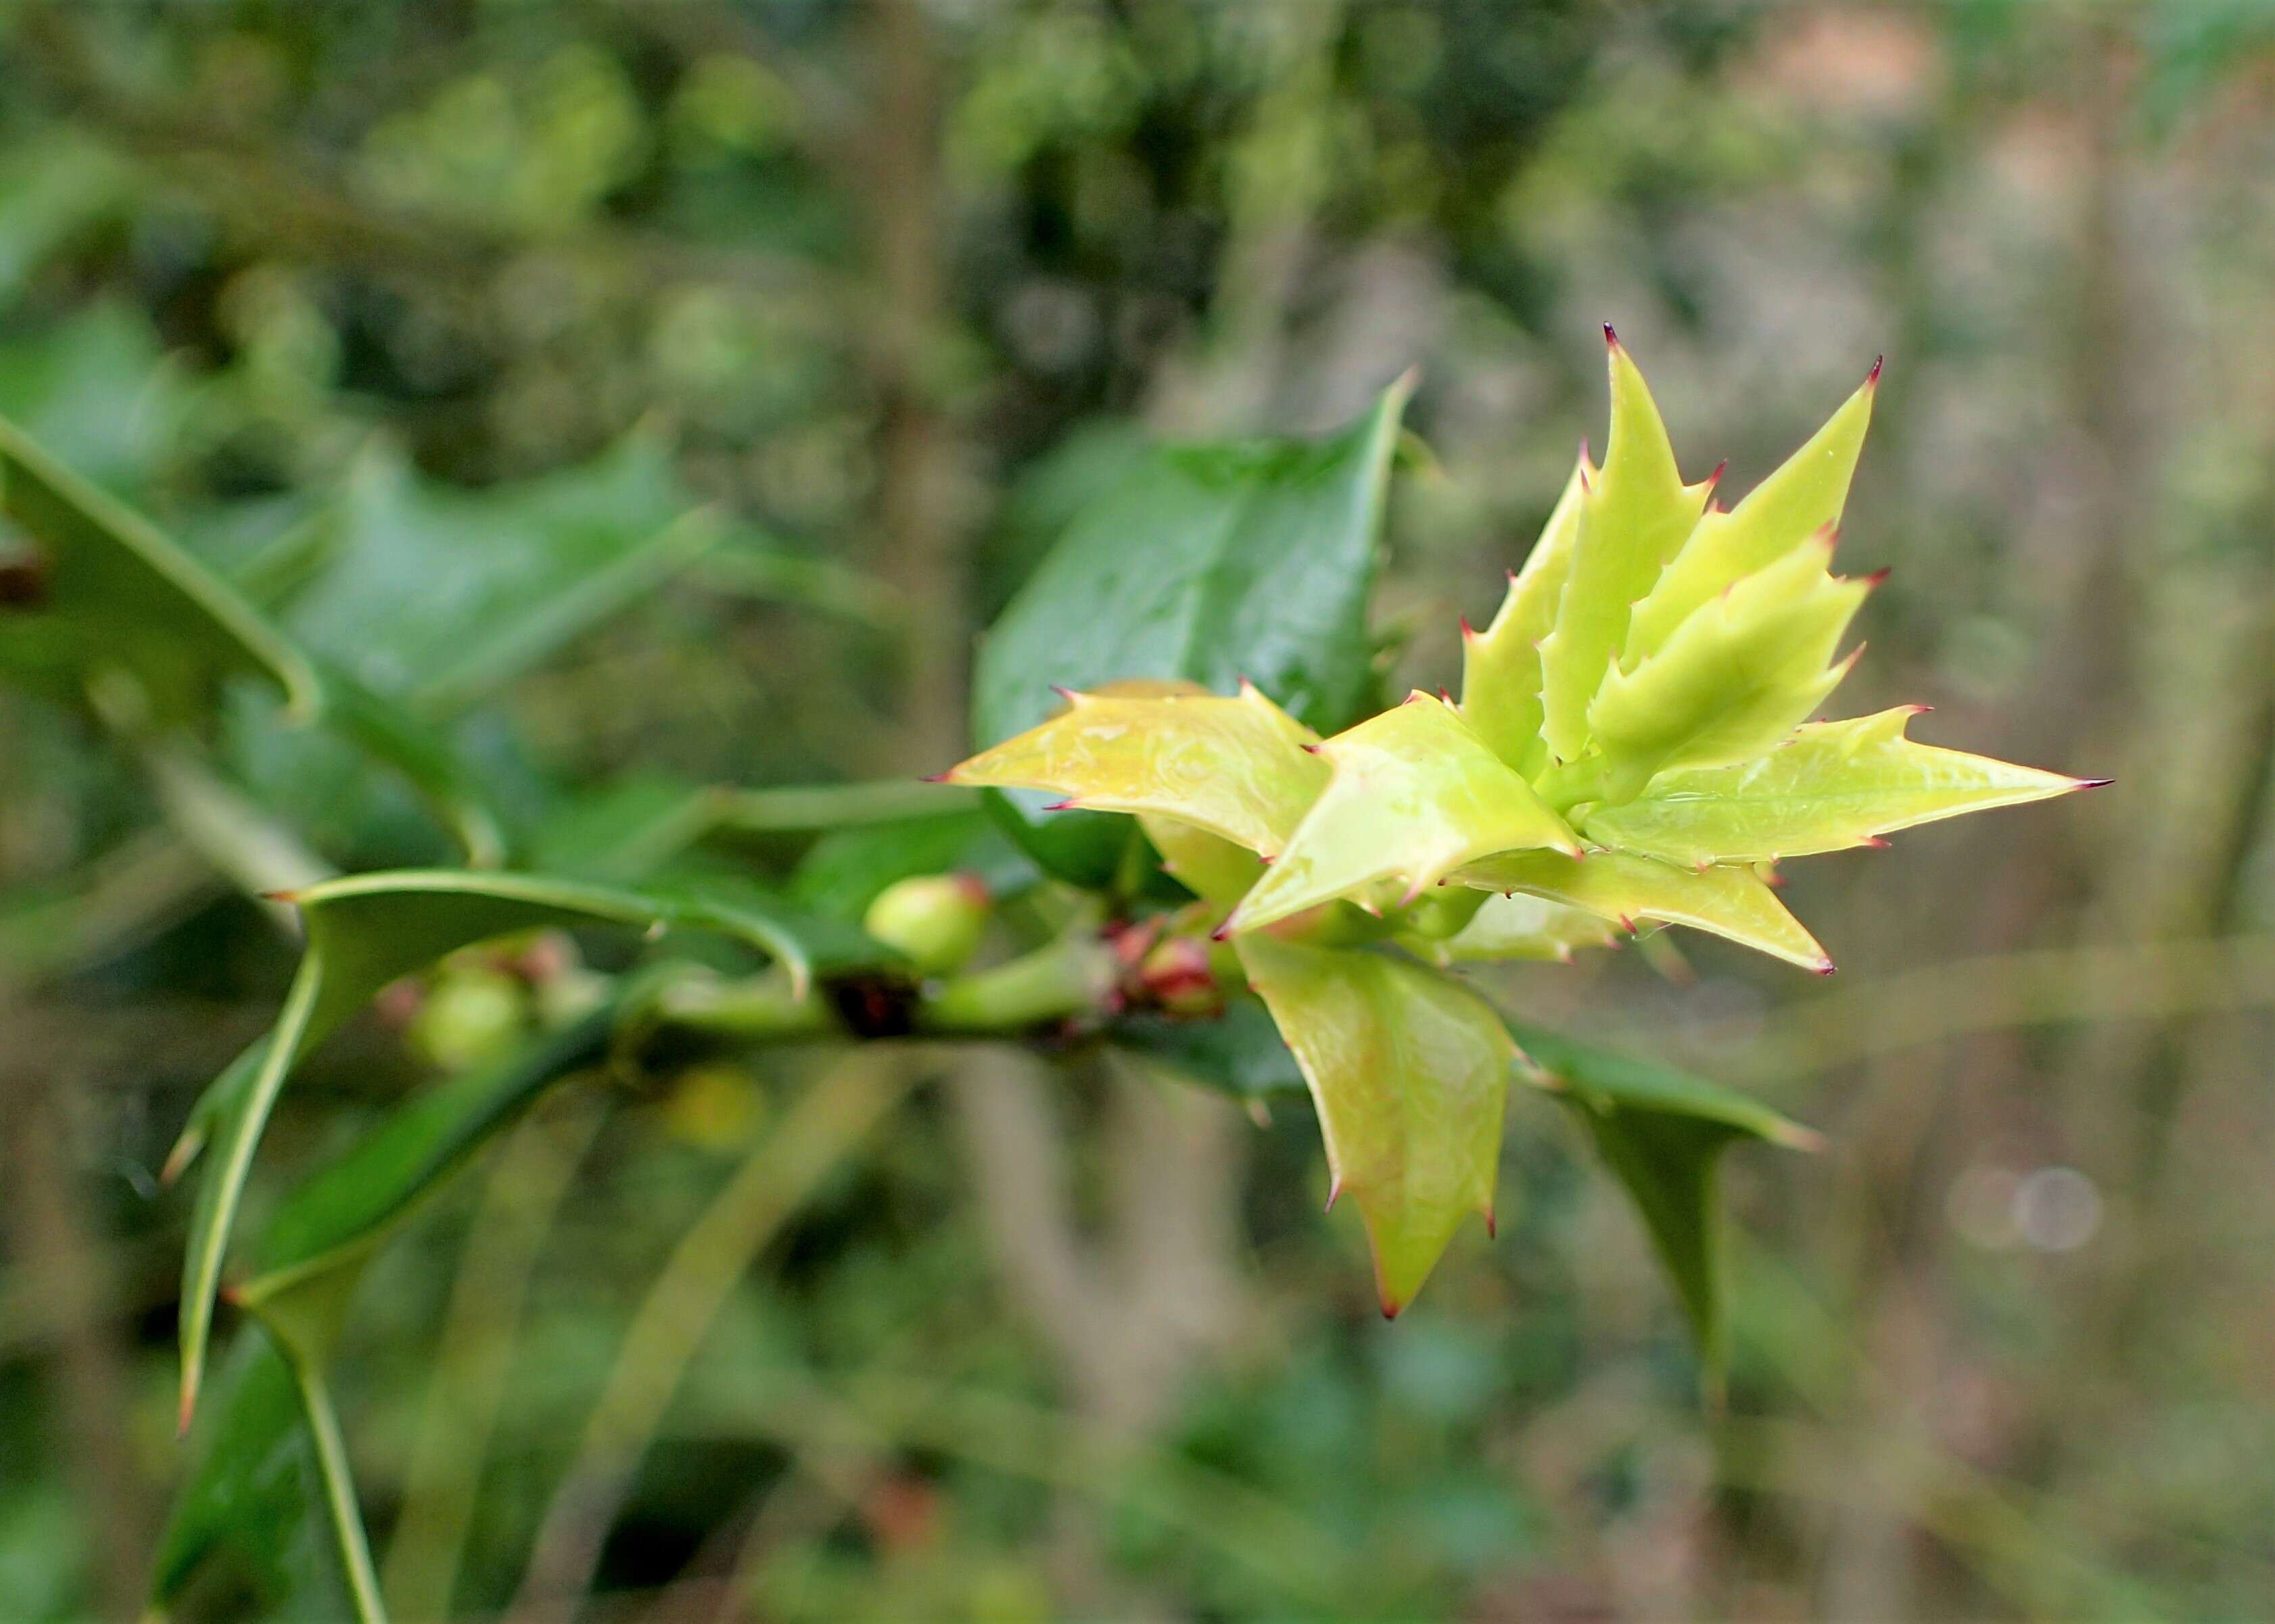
pixel 1409 1071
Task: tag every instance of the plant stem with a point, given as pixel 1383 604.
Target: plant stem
pixel 1074 975
pixel 345 1516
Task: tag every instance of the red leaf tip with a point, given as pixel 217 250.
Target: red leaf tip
pixel 1611 338
pixel 1873 378
pixel 2095 783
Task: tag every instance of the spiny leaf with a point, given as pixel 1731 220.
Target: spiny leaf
pixel 1409 1071
pixel 1732 902
pixel 363 933
pixel 1663 1132
pixel 1205 563
pixel 1834 785
pixel 255 1505
pixel 1239 768
pixel 1208 865
pixel 1501 666
pixel 1804 496
pixel 1736 678
pixel 1522 927
pixel 108 590
pixel 1633 518
pixel 1414 794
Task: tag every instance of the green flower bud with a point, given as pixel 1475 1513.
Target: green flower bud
pixel 472 1014
pixel 936 919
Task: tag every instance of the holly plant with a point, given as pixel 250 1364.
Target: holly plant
pixel 1195 835
pixel 1631 749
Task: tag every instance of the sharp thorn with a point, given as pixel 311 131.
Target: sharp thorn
pixel 1611 338
pixel 2095 783
pixel 1873 378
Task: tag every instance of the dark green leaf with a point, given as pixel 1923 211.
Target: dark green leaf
pixel 251 1518
pixel 1240 1053
pixel 368 930
pixel 438 596
pixel 105 591
pixel 1205 563
pixel 1662 1132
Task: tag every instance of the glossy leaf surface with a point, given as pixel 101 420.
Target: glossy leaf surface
pixel 1732 902
pixel 1634 515
pixel 1734 680
pixel 1804 496
pixel 1208 563
pixel 1834 785
pixel 1501 666
pixel 1409 1071
pixel 1662 1132
pixel 1414 795
pixel 1239 768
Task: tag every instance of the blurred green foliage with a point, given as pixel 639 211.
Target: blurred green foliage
pixel 603 326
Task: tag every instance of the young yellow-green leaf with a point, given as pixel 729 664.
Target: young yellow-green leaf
pixel 1240 768
pixel 1736 678
pixel 1501 666
pixel 1208 865
pixel 1409 1071
pixel 368 930
pixel 1633 517
pixel 1414 794
pixel 1663 1132
pixel 1832 785
pixel 1522 927
pixel 1731 903
pixel 1803 497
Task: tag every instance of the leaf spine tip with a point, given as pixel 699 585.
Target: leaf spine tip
pixel 2093 783
pixel 1873 378
pixel 1873 580
pixel 1334 1194
pixel 1878 843
pixel 1917 710
pixel 280 897
pixel 1468 630
pixel 948 777
pixel 1390 1305
pixel 1312 749
pixel 1068 694
pixel 1059 805
pixel 1492 1223
pixel 1445 697
pixel 1825 967
pixel 1715 478
pixel 1611 338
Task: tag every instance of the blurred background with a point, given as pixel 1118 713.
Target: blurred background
pixel 505 287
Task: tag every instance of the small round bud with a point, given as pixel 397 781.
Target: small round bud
pixel 473 1013
pixel 1181 979
pixel 936 919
